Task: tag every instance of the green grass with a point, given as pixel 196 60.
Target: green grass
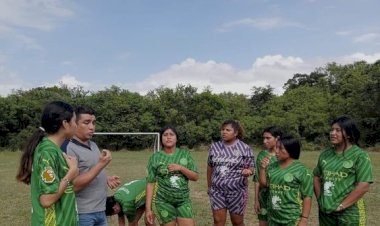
pixel 15 197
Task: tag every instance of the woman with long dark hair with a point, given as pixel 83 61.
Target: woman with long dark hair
pixel 289 182
pixel 167 190
pixel 342 176
pixel 48 170
pixel 270 135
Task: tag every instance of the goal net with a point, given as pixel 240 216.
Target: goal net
pixel 128 140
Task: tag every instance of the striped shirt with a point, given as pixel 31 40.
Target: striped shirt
pixel 172 185
pixel 339 173
pixel 49 167
pixel 287 189
pixel 227 162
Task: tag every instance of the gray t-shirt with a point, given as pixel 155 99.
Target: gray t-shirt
pixel 93 197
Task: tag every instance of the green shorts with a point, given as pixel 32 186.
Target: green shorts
pixel 352 216
pixel 263 200
pixel 166 212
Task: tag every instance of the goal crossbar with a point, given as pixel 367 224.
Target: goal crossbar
pixel 157 142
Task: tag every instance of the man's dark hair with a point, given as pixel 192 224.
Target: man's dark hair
pixel 83 110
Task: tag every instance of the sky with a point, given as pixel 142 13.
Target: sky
pixel 141 45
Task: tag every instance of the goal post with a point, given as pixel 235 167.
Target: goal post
pixel 156 146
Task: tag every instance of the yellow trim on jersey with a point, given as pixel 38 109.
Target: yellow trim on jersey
pixel 362 214
pixel 50 217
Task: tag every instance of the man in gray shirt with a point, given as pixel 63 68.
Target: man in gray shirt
pixel 91 185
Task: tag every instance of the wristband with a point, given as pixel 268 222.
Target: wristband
pixel 67 181
pixel 340 207
pixel 304 217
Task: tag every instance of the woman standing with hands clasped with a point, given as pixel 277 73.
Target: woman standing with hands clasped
pixel 342 176
pixel 230 163
pixel 167 190
pixel 270 136
pixel 49 171
pixel 290 185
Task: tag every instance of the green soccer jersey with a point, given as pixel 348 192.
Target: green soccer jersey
pixel 49 167
pixel 171 185
pixel 131 195
pixel 263 191
pixel 287 189
pixel 261 156
pixel 339 173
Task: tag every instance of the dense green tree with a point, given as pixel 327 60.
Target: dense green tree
pixel 305 109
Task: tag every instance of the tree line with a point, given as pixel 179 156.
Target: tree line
pixel 309 103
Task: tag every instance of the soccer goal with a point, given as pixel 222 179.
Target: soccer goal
pixel 151 138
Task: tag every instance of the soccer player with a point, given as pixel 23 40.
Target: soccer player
pixel 342 176
pixel 48 170
pixel 91 184
pixel 230 163
pixel 167 190
pixel 128 200
pixel 290 185
pixel 270 137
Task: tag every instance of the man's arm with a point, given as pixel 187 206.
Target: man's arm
pixel 85 178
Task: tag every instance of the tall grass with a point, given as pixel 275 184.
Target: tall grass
pixel 15 197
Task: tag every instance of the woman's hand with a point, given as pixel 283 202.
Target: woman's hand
pixel 247 172
pixel 174 167
pixel 149 216
pixel 257 207
pixel 302 221
pixel 265 162
pixel 72 162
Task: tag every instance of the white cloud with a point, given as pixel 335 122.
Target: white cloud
pixel 71 82
pixel 259 23
pixel 368 38
pixel 273 70
pixel 37 14
pixel 268 70
pixel 359 57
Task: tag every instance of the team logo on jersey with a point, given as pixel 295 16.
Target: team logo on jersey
pixel 276 202
pixel 327 188
pixel 48 175
pixel 174 181
pixel 236 152
pixel 223 171
pixel 348 164
pixel 183 161
pixel 288 177
pixel 164 213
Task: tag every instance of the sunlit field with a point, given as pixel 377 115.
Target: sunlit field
pixel 15 198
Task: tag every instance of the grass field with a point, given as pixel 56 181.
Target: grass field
pixel 15 198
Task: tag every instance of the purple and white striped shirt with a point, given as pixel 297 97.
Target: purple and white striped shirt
pixel 227 162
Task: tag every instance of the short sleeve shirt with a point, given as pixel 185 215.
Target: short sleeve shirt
pixel 49 167
pixel 170 184
pixel 287 189
pixel 131 194
pixel 91 198
pixel 227 162
pixel 339 173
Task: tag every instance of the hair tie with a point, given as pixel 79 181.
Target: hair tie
pixel 42 128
